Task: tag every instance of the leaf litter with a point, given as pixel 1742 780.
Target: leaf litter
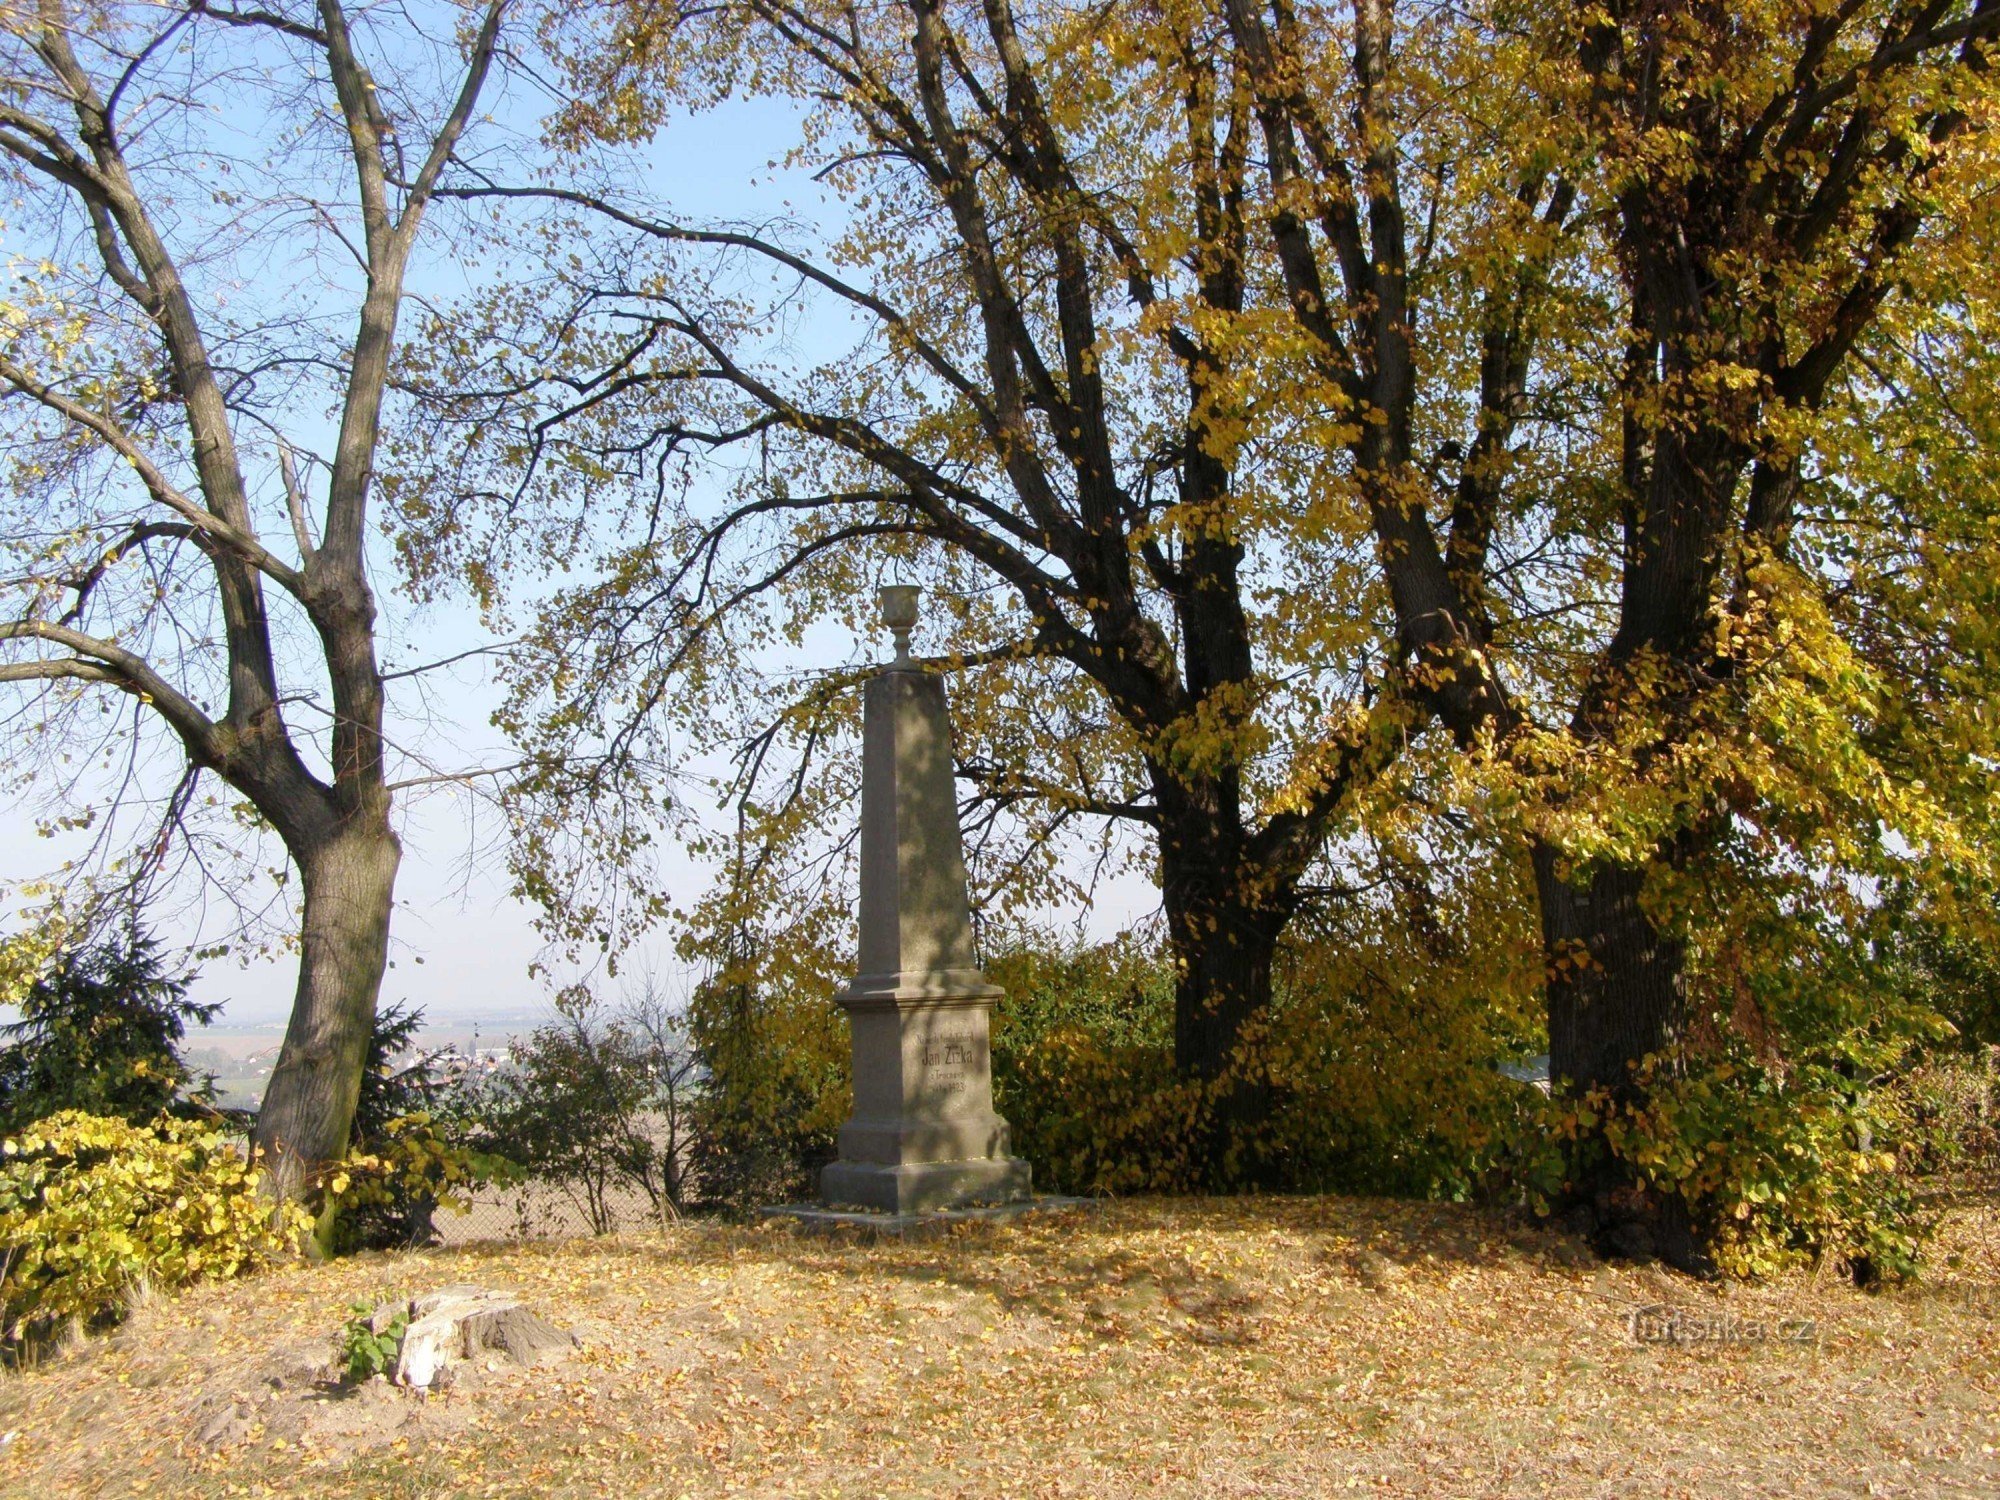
pixel 1250 1346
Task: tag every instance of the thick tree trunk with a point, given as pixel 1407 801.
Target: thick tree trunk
pixel 1615 982
pixel 1223 936
pixel 1223 981
pixel 1616 992
pixel 348 884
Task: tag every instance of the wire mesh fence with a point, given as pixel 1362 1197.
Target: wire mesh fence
pixel 546 1211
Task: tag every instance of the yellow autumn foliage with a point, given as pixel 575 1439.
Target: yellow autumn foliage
pixel 91 1206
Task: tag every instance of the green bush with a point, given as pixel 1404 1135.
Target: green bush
pixel 90 1206
pixel 775 1090
pixel 595 1103
pixel 1083 1069
pixel 1379 1071
pixel 1371 1086
pixel 1770 1166
pixel 100 1032
pixel 1954 1104
pixel 421 1141
pixel 387 1196
pixel 1093 1117
pixel 1944 963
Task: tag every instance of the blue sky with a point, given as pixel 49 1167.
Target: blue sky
pixel 462 947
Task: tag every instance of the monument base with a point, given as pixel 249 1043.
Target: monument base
pixel 924 1186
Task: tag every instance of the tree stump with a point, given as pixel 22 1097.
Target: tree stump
pixel 462 1322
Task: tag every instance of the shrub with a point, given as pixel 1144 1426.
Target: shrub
pixel 1770 1166
pixel 774 1068
pixel 1374 1085
pixel 99 1032
pixel 597 1104
pixel 1096 1117
pixel 1954 1103
pixel 386 1197
pixel 1952 967
pixel 91 1205
pixel 1371 1086
pixel 421 1141
pixel 1083 1069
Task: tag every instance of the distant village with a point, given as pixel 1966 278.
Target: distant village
pixel 241 1063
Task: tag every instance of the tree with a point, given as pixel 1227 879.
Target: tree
pixel 1481 395
pixel 1756 253
pixel 662 1036
pixel 153 442
pixel 1068 408
pixel 1773 194
pixel 400 1080
pixel 100 1032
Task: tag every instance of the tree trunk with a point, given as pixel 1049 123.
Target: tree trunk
pixel 1223 939
pixel 1223 981
pixel 348 883
pixel 1615 981
pixel 1616 992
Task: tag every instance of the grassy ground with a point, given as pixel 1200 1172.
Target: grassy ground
pixel 1248 1347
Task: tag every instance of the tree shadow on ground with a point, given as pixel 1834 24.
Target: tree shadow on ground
pixel 1119 1254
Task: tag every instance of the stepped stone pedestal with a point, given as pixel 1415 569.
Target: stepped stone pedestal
pixel 924 1136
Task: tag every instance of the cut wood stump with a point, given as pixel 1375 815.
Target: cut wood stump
pixel 459 1323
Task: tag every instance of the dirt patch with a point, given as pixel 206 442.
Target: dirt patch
pixel 1197 1348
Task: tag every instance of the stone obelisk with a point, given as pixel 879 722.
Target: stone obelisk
pixel 924 1135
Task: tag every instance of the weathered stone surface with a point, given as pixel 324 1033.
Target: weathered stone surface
pixel 461 1323
pixel 926 1186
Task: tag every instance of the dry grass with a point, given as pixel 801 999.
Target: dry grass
pixel 1247 1347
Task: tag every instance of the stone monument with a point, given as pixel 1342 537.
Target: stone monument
pixel 924 1136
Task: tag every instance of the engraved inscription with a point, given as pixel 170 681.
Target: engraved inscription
pixel 949 1049
pixel 948 1057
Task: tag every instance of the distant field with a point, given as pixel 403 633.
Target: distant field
pixel 1257 1347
